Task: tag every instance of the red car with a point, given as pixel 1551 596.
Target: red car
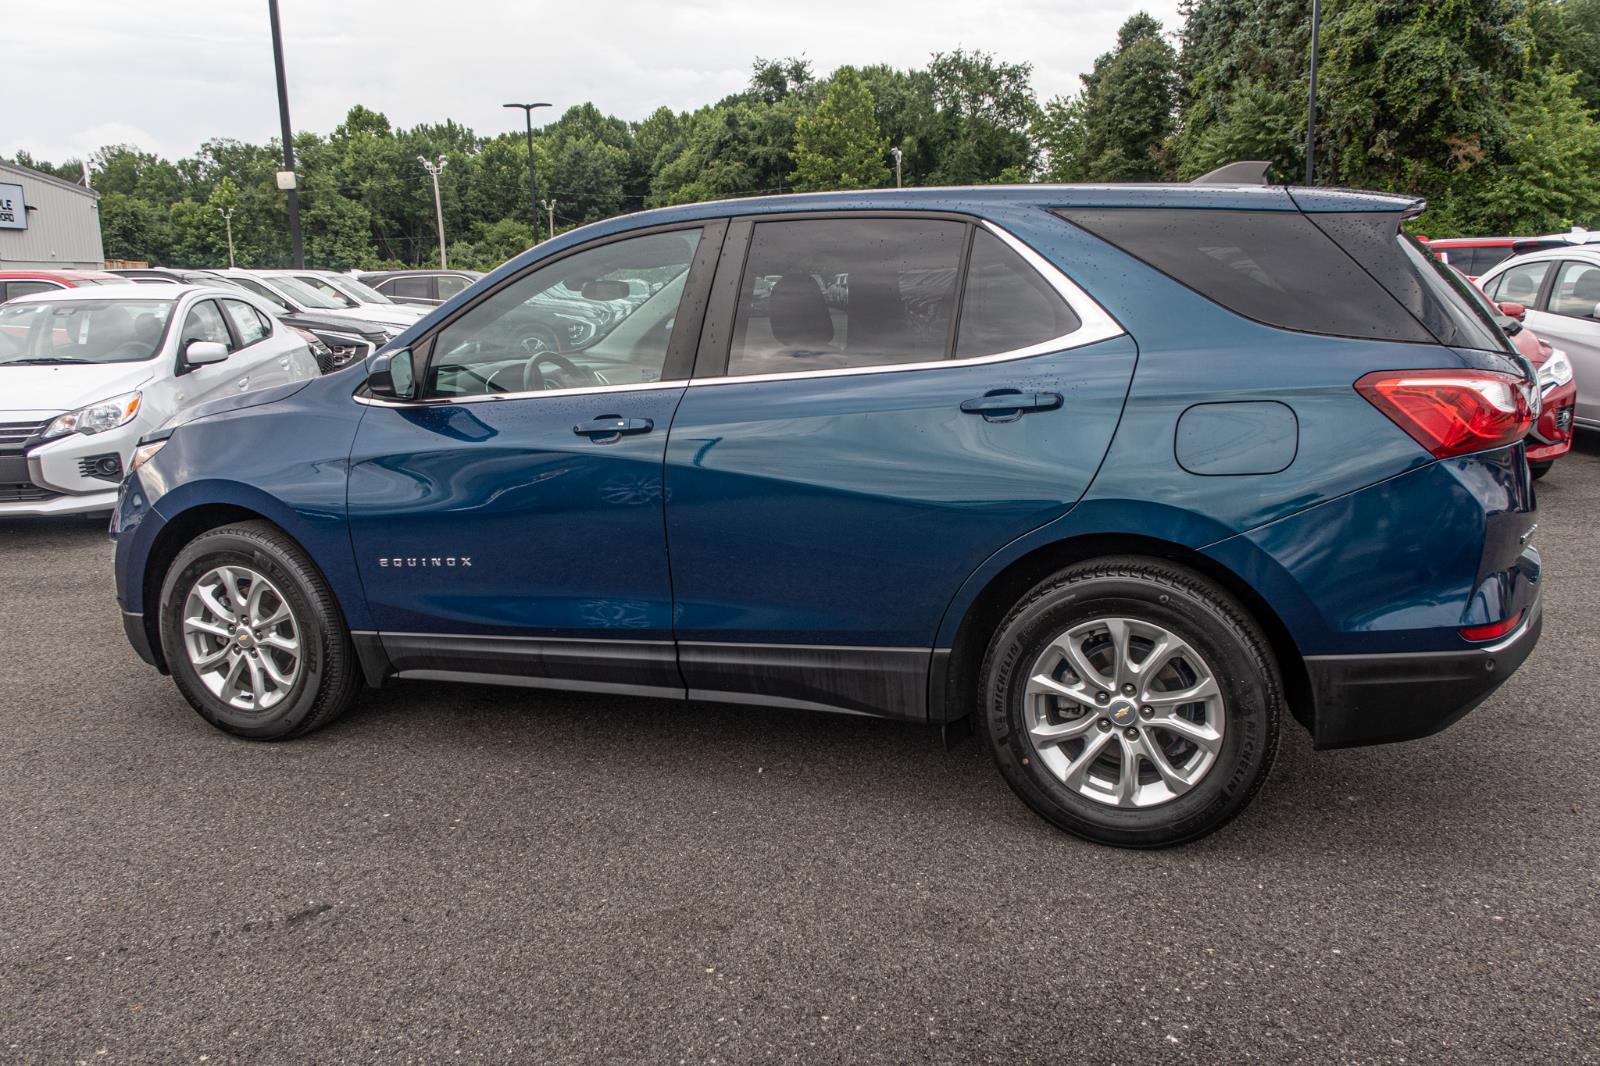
pixel 14 283
pixel 1551 436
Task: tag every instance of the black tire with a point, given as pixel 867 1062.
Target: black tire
pixel 1539 470
pixel 330 674
pixel 1190 607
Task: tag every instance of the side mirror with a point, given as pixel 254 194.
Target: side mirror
pixel 1511 309
pixel 393 376
pixel 203 353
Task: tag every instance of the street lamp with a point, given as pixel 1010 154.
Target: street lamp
pixel 898 155
pixel 550 209
pixel 1311 103
pixel 286 179
pixel 227 220
pixel 438 208
pixel 533 180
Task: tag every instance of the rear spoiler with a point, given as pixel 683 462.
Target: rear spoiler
pixel 1244 172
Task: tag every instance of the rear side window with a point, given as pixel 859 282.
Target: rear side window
pixel 1519 284
pixel 417 288
pixel 1275 267
pixel 1006 304
pixel 1577 291
pixel 823 294
pixel 23 288
pixel 450 284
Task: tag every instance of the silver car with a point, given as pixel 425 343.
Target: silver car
pixel 1560 287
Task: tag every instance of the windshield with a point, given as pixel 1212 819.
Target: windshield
pixel 323 288
pixel 255 287
pixel 56 332
pixel 302 294
pixel 359 290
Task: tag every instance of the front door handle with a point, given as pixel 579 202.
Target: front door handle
pixel 1008 405
pixel 608 428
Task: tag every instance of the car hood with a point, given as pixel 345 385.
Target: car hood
pixel 372 313
pixel 235 403
pixel 58 388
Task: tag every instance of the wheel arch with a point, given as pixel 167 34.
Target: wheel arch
pixel 953 687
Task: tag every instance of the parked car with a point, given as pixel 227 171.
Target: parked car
pixel 971 511
pixel 1551 435
pixel 351 293
pixel 1474 256
pixel 427 288
pixel 86 372
pixel 290 290
pixel 1560 288
pixel 334 340
pixel 14 283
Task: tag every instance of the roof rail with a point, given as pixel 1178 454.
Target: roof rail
pixel 1244 172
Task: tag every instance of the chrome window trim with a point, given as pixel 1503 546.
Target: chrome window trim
pixel 1096 325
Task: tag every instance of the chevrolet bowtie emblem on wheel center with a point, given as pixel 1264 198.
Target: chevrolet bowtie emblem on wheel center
pixel 1123 712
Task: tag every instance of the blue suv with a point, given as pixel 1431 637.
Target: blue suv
pixel 1117 476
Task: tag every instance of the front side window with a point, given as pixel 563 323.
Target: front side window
pixel 570 324
pixel 82 331
pixel 414 288
pixel 1519 284
pixel 823 294
pixel 1577 291
pixel 1006 304
pixel 204 323
pixel 248 323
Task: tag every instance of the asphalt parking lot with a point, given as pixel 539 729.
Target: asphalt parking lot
pixel 492 875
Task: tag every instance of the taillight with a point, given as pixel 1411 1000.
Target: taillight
pixel 1453 412
pixel 1493 629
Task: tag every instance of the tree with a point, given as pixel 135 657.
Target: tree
pixel 131 228
pixel 984 112
pixel 1129 105
pixel 838 146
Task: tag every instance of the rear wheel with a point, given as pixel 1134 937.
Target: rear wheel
pixel 1132 702
pixel 253 635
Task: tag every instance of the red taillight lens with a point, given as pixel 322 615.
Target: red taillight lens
pixel 1453 412
pixel 1493 629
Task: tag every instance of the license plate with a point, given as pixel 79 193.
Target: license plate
pixel 13 470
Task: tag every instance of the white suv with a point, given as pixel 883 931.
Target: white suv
pixel 84 373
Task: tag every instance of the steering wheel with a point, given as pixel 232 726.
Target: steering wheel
pixel 533 377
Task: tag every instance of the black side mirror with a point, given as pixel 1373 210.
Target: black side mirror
pixel 393 376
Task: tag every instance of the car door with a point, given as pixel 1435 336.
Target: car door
pixel 850 450
pixel 263 355
pixel 510 522
pixel 204 321
pixel 1569 318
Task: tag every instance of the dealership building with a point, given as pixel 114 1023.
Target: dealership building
pixel 46 222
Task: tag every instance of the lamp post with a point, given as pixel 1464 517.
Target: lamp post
pixel 550 211
pixel 1311 103
pixel 438 208
pixel 533 179
pixel 227 220
pixel 286 179
pixel 898 155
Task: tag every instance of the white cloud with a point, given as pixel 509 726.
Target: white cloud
pixel 93 72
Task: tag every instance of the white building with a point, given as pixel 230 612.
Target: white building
pixel 46 222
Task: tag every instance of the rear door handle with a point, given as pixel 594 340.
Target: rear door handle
pixel 610 427
pixel 1008 405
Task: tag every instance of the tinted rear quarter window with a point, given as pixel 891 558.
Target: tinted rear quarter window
pixel 1006 305
pixel 1274 267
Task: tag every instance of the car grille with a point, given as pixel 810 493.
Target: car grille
pixel 1564 420
pixel 13 435
pixel 24 493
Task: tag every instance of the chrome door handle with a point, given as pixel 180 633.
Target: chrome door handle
pixel 1008 405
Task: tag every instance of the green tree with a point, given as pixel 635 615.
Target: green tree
pixel 838 146
pixel 1129 106
pixel 131 228
pixel 985 109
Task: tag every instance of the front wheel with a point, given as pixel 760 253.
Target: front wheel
pixel 253 635
pixel 1131 702
pixel 1539 470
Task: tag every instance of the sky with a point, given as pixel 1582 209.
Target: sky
pixel 166 75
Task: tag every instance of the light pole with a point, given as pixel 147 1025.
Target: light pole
pixel 1311 103
pixel 227 220
pixel 438 208
pixel 550 210
pixel 533 179
pixel 898 155
pixel 286 180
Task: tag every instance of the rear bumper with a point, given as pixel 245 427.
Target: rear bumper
pixel 1378 699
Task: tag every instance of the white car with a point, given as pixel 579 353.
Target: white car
pixel 1560 287
pixel 354 294
pixel 287 288
pixel 84 373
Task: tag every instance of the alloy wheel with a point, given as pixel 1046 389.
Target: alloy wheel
pixel 241 638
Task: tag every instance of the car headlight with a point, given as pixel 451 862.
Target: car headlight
pixel 1557 370
pixel 97 417
pixel 144 453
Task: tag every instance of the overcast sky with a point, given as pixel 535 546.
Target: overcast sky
pixel 168 74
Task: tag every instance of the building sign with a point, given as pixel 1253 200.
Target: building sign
pixel 12 214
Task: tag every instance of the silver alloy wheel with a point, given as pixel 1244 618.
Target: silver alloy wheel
pixel 1124 712
pixel 241 638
